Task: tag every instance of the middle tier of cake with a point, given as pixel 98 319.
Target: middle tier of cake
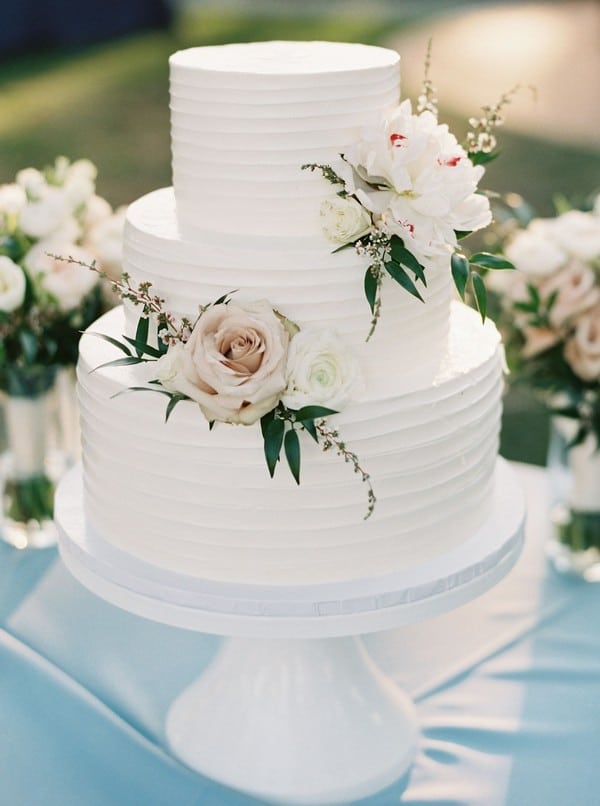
pixel 303 278
pixel 201 502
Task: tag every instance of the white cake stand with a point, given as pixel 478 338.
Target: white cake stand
pixel 307 718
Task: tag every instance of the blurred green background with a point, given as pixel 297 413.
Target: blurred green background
pixel 109 101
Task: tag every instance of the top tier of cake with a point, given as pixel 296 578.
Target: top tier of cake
pixel 246 117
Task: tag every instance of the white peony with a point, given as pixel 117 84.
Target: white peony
pixel 426 182
pixel 582 351
pixel 535 251
pixel 43 216
pixel 105 240
pixel 169 366
pixel 68 283
pixel 234 362
pixel 579 234
pixel 321 370
pixel 344 220
pixel 12 285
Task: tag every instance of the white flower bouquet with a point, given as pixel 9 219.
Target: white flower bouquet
pixel 550 317
pixel 44 306
pixel 45 303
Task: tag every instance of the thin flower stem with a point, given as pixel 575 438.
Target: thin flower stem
pixel 331 439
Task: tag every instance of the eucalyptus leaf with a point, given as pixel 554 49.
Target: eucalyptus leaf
pixel 120 362
pixel 115 343
pixel 143 348
pixel 401 255
pixel 402 278
pixel 175 399
pixel 311 428
pixel 313 413
pixel 141 335
pixel 480 295
pixel 371 286
pixel 292 453
pixel 460 272
pixel 273 442
pixel 488 261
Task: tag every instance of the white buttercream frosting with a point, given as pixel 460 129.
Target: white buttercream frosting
pixel 201 502
pixel 246 117
pixel 243 217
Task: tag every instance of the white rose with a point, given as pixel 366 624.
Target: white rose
pixel 233 364
pixel 576 290
pixel 105 240
pixel 582 351
pixel 321 370
pixel 344 220
pixel 68 283
pixel 169 366
pixel 12 285
pixel 579 234
pixel 42 217
pixel 12 199
pixel 534 250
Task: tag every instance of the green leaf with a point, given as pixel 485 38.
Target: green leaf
pixel 402 278
pixel 141 334
pixel 313 413
pixel 142 348
pixel 292 453
pixel 29 344
pixel 211 425
pixel 460 272
pixel 480 295
pixel 175 399
pixel 311 428
pixel 462 233
pixel 488 261
pixel 265 421
pixel 482 157
pixel 115 343
pixel 401 255
pixel 273 442
pixel 579 437
pixel 567 411
pixel 343 246
pixel 371 286
pixel 120 362
pixel 224 299
pixel 140 389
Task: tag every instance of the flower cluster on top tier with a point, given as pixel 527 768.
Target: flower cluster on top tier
pixel 407 193
pixel 244 362
pixel 551 311
pixel 44 303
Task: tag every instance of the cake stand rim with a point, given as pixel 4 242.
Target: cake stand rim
pixel 324 610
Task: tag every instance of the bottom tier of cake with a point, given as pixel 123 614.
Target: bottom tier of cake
pixel 201 501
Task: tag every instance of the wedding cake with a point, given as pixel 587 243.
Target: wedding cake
pixel 194 494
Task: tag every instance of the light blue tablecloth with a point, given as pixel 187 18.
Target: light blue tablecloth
pixel 507 688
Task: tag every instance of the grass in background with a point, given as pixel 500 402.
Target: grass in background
pixel 110 103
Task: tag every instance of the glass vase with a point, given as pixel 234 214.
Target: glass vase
pixel 574 546
pixel 34 459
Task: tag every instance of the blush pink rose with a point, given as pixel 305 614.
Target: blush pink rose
pixel 234 362
pixel 582 351
pixel 576 290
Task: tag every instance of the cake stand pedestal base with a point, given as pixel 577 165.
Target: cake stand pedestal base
pixel 293 710
pixel 307 722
